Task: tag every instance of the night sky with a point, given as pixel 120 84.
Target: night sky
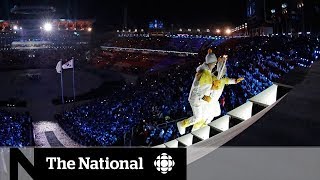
pixel 183 13
pixel 191 13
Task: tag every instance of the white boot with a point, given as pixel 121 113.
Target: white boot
pixel 181 127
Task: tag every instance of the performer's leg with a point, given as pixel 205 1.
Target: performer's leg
pixel 182 125
pixel 201 116
pixel 215 111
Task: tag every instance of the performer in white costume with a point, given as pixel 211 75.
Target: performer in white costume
pixel 219 81
pixel 199 95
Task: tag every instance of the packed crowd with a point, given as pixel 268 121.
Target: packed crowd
pixel 160 43
pixel 261 61
pixel 16 129
pixel 162 97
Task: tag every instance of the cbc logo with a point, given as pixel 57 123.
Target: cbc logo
pixel 164 163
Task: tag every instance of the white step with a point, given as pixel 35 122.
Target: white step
pixel 242 112
pixel 266 97
pixel 172 144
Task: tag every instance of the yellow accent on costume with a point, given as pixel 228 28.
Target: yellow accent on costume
pixel 185 123
pixel 219 84
pixel 206 78
pixel 199 124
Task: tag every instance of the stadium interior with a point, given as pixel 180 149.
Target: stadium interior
pixel 130 87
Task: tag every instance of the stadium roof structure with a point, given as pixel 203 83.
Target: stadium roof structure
pixel 25 10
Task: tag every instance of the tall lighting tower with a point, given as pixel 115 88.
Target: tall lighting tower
pixel 285 14
pixel 300 6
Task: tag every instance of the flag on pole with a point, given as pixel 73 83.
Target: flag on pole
pixel 68 65
pixel 58 67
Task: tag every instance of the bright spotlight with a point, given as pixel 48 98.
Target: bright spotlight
pixel 284 5
pixel 47 27
pixel 228 31
pixel 15 27
pixel 89 29
pixel 218 31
